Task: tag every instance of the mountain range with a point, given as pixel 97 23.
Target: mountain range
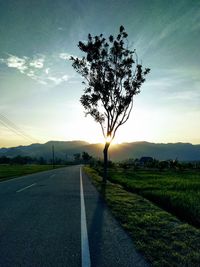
pixel 66 150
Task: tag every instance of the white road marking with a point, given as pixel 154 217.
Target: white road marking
pixel 85 251
pixel 13 179
pixel 20 190
pixel 19 178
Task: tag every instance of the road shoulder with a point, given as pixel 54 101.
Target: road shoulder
pixel 109 244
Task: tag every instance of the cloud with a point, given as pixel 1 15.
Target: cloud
pixel 58 80
pixel 185 95
pixel 65 56
pixel 46 70
pixel 65 77
pixel 174 27
pixel 16 62
pixel 37 63
pixel 182 23
pixel 54 79
pixel 31 73
pixel 60 29
pixel 42 82
pixel 23 63
pixel 179 84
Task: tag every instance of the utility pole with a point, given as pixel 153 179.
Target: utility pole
pixel 53 161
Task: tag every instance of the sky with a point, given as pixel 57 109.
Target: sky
pixel 40 91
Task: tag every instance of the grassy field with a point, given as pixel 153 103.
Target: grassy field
pixel 176 191
pixel 164 240
pixel 11 171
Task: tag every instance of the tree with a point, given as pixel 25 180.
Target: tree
pixel 112 76
pixel 77 157
pixel 86 157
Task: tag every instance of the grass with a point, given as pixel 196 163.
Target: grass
pixel 12 171
pixel 163 239
pixel 176 192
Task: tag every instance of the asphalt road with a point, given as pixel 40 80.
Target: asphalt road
pixel 47 219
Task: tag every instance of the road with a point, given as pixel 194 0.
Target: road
pixel 57 218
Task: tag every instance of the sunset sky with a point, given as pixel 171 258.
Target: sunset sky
pixel 40 91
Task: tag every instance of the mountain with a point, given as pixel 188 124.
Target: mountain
pixel 181 151
pixel 61 148
pixel 66 150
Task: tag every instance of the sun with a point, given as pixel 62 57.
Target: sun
pixel 109 140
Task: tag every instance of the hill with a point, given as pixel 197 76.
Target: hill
pixel 66 150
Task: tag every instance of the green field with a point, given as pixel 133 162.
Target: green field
pixel 161 237
pixel 12 171
pixel 176 191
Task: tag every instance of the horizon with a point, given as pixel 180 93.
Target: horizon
pixel 101 143
pixel 40 90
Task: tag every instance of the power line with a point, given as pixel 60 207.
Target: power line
pixel 14 128
pixel 4 124
pixel 11 126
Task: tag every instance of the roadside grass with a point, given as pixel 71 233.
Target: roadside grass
pixel 13 171
pixel 163 239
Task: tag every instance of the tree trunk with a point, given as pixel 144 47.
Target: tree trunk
pixel 105 154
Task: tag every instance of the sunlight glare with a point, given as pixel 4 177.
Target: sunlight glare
pixel 108 139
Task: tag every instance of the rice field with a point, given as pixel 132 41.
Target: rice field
pixel 11 171
pixel 175 191
pixel 161 237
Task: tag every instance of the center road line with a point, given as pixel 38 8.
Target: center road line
pixel 20 190
pixel 85 251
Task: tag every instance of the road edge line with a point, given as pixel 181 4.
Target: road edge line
pixel 85 251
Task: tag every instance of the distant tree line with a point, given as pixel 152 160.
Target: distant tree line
pixel 78 158
pixel 149 162
pixel 86 158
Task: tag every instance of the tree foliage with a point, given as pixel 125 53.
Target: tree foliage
pixel 112 76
